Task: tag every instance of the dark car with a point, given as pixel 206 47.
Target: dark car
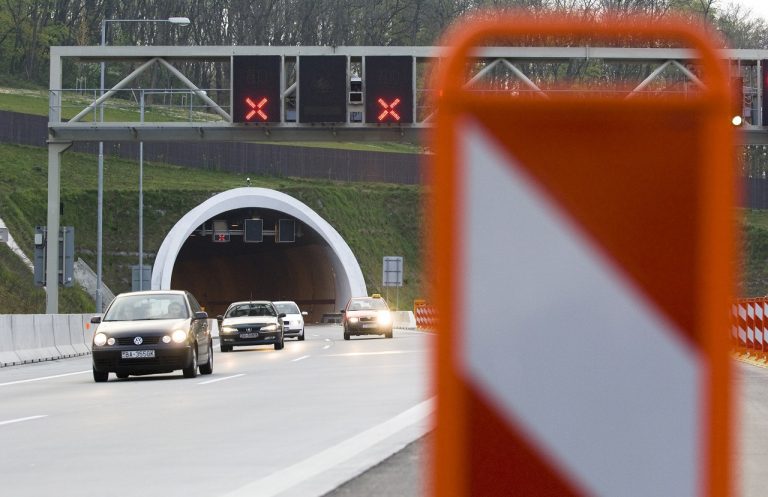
pixel 366 316
pixel 152 332
pixel 251 323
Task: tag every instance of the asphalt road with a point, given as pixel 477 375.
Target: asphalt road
pixel 300 421
pixel 322 417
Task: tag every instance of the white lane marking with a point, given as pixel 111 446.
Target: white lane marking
pixel 315 335
pixel 326 347
pixel 300 472
pixel 300 358
pixel 327 339
pixel 19 420
pixel 221 379
pixel 384 352
pixel 42 378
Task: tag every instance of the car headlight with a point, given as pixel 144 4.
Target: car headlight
pixel 179 336
pixel 166 339
pixel 353 320
pixel 100 339
pixel 384 317
pixel 269 327
pixel 228 329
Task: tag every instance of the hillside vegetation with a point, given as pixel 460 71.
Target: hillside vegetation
pixel 374 219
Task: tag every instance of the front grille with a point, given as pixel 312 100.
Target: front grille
pixel 249 328
pixel 367 319
pixel 129 341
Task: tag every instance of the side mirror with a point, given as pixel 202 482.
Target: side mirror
pixel 201 315
pixel 342 311
pixel 281 315
pixel 220 317
pixel 96 319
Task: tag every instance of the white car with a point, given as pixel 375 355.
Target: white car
pixel 293 322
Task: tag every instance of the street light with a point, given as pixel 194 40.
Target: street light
pixel 181 21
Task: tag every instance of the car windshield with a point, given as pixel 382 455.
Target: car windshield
pixel 288 308
pixel 250 309
pixel 368 305
pixel 144 307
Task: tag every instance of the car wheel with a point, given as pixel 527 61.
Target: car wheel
pixel 346 335
pixel 207 368
pixel 388 334
pixel 301 335
pixel 225 348
pixel 279 345
pixel 100 376
pixel 122 376
pixel 191 370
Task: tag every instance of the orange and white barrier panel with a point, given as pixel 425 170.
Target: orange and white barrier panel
pixel 749 319
pixel 425 314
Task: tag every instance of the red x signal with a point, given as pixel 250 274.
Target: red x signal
pixel 389 109
pixel 256 109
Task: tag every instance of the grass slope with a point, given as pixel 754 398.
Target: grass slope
pixel 375 219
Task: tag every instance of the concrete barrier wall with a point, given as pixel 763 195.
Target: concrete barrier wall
pixel 403 320
pixel 61 336
pixel 8 355
pixel 26 338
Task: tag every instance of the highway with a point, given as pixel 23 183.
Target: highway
pixel 296 422
pixel 299 421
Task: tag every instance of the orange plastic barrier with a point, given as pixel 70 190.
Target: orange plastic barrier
pixel 425 314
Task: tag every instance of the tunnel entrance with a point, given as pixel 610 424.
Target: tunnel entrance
pixel 219 273
pixel 299 256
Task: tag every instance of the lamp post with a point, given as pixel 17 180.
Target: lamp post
pixel 181 21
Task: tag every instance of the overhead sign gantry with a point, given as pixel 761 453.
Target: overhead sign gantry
pixel 363 94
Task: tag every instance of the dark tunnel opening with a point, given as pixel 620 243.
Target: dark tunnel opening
pixel 221 272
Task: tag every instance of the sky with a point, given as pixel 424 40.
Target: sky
pixel 759 7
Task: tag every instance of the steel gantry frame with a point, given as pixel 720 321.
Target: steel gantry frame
pixel 215 124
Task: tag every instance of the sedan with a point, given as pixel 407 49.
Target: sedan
pixel 366 316
pixel 251 323
pixel 152 332
pixel 293 322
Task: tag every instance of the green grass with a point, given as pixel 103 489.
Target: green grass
pixel 374 219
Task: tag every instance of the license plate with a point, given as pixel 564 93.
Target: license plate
pixel 249 335
pixel 369 325
pixel 137 354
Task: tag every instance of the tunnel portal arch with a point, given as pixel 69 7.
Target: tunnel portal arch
pixel 345 270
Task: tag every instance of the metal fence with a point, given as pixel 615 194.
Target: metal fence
pixel 245 158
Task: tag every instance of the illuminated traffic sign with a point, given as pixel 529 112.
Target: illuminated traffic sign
pixel 322 89
pixel 221 237
pixel 388 89
pixel 255 88
pixel 257 109
pixel 388 110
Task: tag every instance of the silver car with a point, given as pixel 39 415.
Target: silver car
pixel 251 323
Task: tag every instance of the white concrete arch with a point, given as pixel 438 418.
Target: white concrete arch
pixel 349 277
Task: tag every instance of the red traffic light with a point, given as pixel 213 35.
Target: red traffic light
pixel 388 110
pixel 256 109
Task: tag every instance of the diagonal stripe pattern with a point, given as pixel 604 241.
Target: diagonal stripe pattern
pixel 592 374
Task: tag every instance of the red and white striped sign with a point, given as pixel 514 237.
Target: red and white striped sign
pixel 582 346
